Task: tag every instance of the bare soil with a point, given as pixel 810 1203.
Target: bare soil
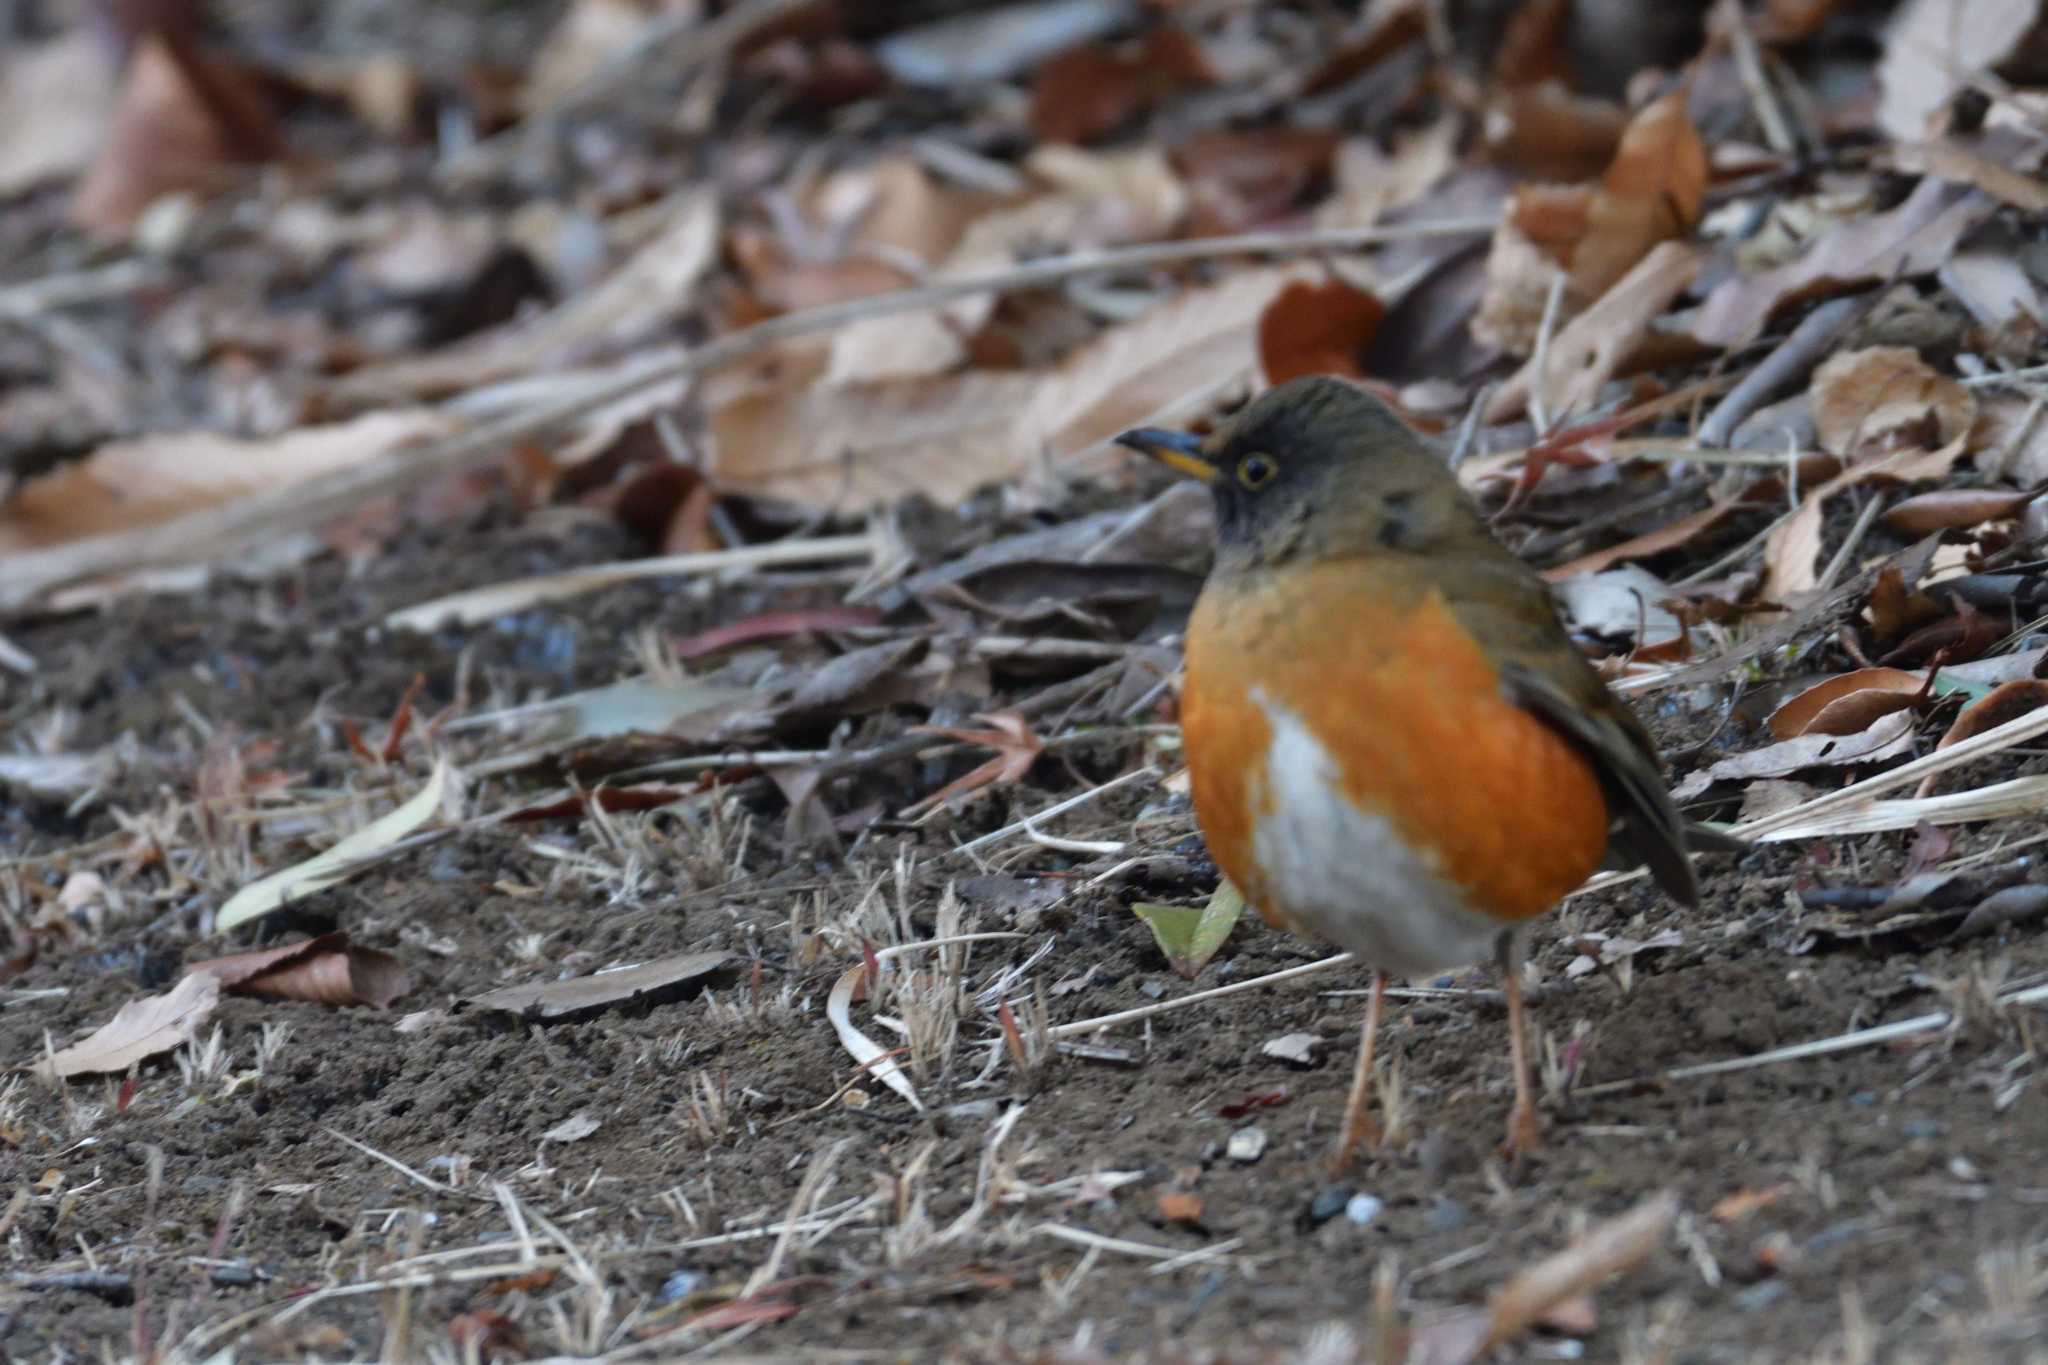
pixel 1885 1194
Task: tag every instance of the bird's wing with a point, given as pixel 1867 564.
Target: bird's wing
pixel 1509 606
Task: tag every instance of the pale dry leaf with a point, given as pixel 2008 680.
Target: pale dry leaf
pixel 1932 50
pixel 648 291
pixel 1913 239
pixel 587 36
pixel 1368 183
pixel 872 1057
pixel 55 100
pixel 141 1029
pixel 1888 737
pixel 333 866
pixel 2008 180
pixel 2012 439
pixel 857 447
pixel 152 479
pixel 1093 200
pixel 1594 346
pixel 1886 398
pixel 599 990
pixel 575 1128
pixel 1537 229
pixel 1619 604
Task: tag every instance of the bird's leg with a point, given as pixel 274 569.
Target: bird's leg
pixel 1525 1133
pixel 1358 1124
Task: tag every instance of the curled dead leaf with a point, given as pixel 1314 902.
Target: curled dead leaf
pixel 1850 703
pixel 327 970
pixel 1949 509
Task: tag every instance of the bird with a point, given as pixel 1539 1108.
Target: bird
pixel 1393 744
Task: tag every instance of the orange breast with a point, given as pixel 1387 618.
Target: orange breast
pixel 1410 711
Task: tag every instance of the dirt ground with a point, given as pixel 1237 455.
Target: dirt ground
pixel 1886 1194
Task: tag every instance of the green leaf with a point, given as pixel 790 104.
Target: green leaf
pixel 1190 936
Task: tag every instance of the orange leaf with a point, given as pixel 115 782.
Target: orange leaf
pixel 1016 750
pixel 1317 329
pixel 1849 704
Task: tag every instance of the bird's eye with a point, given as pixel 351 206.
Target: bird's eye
pixel 1256 471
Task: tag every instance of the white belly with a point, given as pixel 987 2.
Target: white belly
pixel 1344 874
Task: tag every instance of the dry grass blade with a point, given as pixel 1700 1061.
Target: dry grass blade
pixel 875 1059
pixel 332 866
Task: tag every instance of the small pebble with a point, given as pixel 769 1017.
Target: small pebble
pixel 1863 1099
pixel 1920 1129
pixel 1362 1209
pixel 1327 1204
pixel 1962 1168
pixel 680 1285
pixel 1152 989
pixel 1247 1144
pixel 1296 1049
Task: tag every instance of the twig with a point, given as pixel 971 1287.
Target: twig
pixel 1539 404
pixel 1850 543
pixel 1796 355
pixel 74 287
pixel 1199 997
pixel 216 531
pixel 1818 1047
pixel 1058 808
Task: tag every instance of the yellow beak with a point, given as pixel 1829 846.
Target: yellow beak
pixel 1177 450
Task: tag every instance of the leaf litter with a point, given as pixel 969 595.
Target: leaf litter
pixel 835 312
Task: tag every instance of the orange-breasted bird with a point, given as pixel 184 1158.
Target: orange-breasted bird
pixel 1393 744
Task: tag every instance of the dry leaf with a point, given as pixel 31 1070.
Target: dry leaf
pixel 1095 200
pixel 1848 704
pixel 1886 398
pixel 142 1029
pixel 1667 537
pixel 2007 701
pixel 1933 48
pixel 1087 91
pixel 1888 738
pixel 1594 346
pixel 582 41
pixel 646 293
pixel 857 447
pixel 152 479
pixel 1317 329
pixel 339 862
pixel 182 122
pixel 1913 239
pixel 1948 509
pixel 575 1128
pixel 1652 193
pixel 554 999
pixel 55 99
pixel 327 970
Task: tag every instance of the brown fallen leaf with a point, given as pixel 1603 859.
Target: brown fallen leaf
pixel 130 484
pixel 1652 193
pixel 555 999
pixel 1886 398
pixel 184 122
pixel 326 970
pixel 1087 91
pixel 1017 748
pixel 1850 703
pixel 140 1029
pixel 1669 536
pixel 1317 329
pixel 1948 509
